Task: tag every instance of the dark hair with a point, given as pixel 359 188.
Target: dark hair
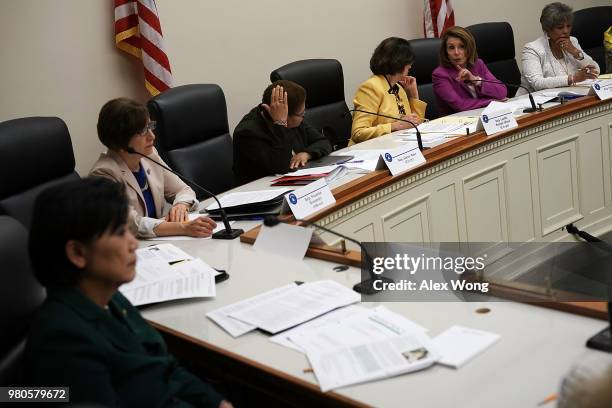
pixel 554 14
pixel 296 94
pixel 391 56
pixel 119 120
pixel 80 210
pixel 468 41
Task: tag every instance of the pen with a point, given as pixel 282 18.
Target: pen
pixel 550 398
pixel 352 161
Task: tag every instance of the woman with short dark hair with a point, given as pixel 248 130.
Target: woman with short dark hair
pixel 86 335
pixel 123 124
pixel 389 91
pixel 273 137
pixel 457 82
pixel 556 59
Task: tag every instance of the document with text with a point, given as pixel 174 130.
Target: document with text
pixel 297 305
pixel 236 327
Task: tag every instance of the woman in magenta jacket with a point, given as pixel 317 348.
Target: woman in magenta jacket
pixel 460 63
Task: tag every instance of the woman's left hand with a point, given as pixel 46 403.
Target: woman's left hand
pixel 409 84
pixel 299 159
pixel 178 213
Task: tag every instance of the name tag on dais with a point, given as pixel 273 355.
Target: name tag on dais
pixel 403 158
pixel 497 120
pixel 602 88
pixel 310 199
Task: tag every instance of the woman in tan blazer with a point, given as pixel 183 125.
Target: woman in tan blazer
pixel 125 123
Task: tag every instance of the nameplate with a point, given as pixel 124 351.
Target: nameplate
pixel 310 199
pixel 403 158
pixel 497 120
pixel 602 88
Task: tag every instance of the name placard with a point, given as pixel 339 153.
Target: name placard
pixel 602 88
pixel 403 158
pixel 498 120
pixel 310 199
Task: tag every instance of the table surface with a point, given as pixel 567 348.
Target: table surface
pixel 536 349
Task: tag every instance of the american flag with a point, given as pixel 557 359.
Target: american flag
pixel 138 32
pixel 438 15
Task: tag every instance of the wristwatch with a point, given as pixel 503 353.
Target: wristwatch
pixel 580 56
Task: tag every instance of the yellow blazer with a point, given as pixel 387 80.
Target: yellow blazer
pixel 372 96
pixel 163 184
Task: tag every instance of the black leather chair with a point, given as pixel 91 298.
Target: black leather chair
pixel 589 26
pixel 426 52
pixel 325 104
pixel 193 136
pixel 495 46
pixel 35 153
pixel 20 296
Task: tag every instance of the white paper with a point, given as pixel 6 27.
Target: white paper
pixel 247 197
pixel 297 306
pixel 311 171
pixel 347 327
pixel 435 127
pixel 167 253
pixel 236 327
pixel 458 345
pixel 366 362
pixel 186 279
pixel 403 158
pixel 286 240
pixel 363 159
pixel 310 199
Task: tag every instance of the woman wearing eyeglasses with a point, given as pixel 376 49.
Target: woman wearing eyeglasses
pixel 273 137
pixel 150 189
pixel 390 91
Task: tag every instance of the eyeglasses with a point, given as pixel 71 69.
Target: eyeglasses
pixel 149 126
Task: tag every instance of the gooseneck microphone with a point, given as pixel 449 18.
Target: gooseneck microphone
pixel 228 232
pixel 418 133
pixel 365 287
pixel 526 110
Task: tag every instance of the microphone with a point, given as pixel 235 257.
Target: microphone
pixel 418 133
pixel 228 232
pixel 526 110
pixel 365 287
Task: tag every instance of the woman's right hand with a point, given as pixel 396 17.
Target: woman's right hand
pixel 199 227
pixel 279 107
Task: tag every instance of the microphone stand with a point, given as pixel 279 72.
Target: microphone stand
pixel 526 110
pixel 365 287
pixel 228 232
pixel 418 133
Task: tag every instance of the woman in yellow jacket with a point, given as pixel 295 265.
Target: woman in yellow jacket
pixel 390 91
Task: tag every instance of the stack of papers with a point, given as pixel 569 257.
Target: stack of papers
pixel 306 176
pixel 283 308
pixel 248 204
pixel 164 272
pixel 458 345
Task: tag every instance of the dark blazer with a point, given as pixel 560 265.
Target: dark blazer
pixel 109 357
pixel 261 149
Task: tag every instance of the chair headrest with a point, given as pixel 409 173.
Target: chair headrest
pixel 590 24
pixel 188 114
pixel 426 52
pixel 322 78
pixel 33 150
pixel 494 41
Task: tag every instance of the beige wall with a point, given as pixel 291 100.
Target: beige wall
pixel 58 56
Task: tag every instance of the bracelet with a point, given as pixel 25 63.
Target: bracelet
pixel 571 80
pixel 282 123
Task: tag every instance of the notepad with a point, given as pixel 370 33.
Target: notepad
pixel 458 345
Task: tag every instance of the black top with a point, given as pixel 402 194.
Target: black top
pixel 110 357
pixel 263 149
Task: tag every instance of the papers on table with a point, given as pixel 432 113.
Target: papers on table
pixel 164 272
pixel 364 159
pixel 247 197
pixel 236 327
pixel 277 311
pixel 348 326
pixel 370 361
pixel 458 345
